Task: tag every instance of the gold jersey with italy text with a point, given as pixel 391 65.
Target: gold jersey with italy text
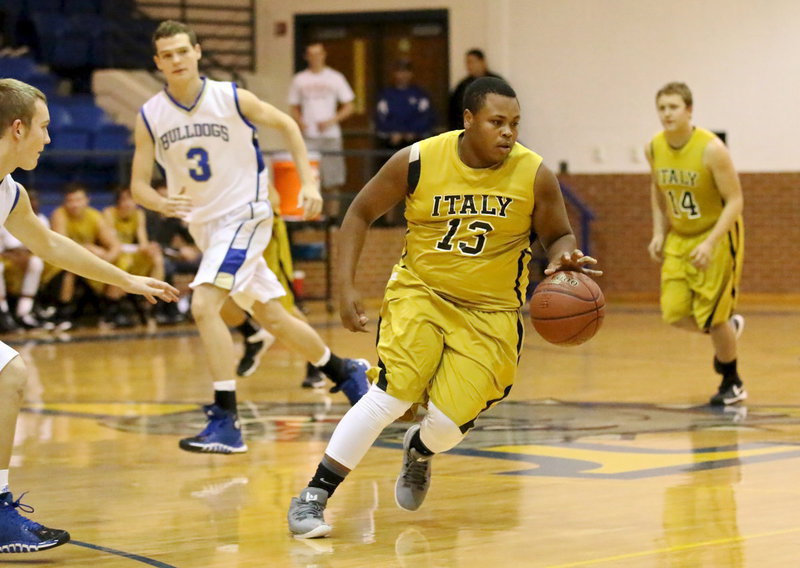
pixel 693 201
pixel 469 229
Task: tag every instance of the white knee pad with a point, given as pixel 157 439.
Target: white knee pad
pixel 361 426
pixel 438 432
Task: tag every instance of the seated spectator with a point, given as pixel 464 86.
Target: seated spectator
pixel 23 273
pixel 181 257
pixel 85 225
pixel 138 256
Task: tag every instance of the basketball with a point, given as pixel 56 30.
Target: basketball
pixel 567 308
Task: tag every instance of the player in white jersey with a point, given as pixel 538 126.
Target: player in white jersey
pixel 23 135
pixel 203 135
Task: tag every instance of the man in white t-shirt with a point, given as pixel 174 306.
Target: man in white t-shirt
pixel 320 98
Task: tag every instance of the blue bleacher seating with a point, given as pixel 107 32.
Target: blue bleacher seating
pixel 110 137
pixel 83 7
pixel 34 6
pixel 69 139
pixel 48 25
pixel 73 49
pixel 87 116
pixel 45 82
pixel 59 115
pixel 17 67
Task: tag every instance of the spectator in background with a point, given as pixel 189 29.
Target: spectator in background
pixel 85 225
pixel 404 114
pixel 23 273
pixel 138 256
pixel 475 61
pixel 320 98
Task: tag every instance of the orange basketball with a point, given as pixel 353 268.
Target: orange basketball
pixel 567 308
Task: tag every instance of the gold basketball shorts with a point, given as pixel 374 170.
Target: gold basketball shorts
pixel 463 360
pixel 709 296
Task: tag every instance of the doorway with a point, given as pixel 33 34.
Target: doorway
pixel 363 46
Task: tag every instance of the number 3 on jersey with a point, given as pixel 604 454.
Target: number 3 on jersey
pixel 200 169
pixel 687 205
pixel 474 248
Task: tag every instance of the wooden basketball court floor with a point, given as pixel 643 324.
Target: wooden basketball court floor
pixel 605 455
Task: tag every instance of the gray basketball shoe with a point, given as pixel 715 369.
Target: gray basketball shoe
pixel 415 476
pixel 306 514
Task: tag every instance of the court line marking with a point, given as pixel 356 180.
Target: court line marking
pixel 674 549
pixel 129 555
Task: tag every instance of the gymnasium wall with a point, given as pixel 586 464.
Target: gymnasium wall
pixel 586 72
pixel 621 232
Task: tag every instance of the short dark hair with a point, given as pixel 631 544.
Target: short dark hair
pixel 477 53
pixel 169 28
pixel 475 95
pixel 119 191
pixel 74 187
pixel 677 88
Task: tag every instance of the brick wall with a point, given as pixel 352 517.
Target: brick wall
pixel 623 228
pixel 381 252
pixel 621 232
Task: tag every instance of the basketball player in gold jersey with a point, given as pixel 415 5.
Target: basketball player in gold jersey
pixel 698 233
pixel 137 254
pixel 450 331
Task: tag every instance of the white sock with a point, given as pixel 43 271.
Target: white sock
pixel 4 307
pixel 225 385
pixel 324 359
pixel 33 275
pixel 3 481
pixel 24 306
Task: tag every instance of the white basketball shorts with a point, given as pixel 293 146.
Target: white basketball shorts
pixel 6 355
pixel 233 254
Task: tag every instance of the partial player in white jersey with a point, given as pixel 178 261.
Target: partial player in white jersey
pixel 24 119
pixel 202 133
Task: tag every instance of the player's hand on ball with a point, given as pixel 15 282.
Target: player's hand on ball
pixel 575 260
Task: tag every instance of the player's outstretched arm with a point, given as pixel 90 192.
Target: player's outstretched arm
pixel 551 223
pixel 69 255
pixel 264 114
pixel 385 190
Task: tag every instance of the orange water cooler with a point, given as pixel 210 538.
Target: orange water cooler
pixel 287 182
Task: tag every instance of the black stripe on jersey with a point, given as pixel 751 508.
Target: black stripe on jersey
pixel 405 250
pixel 520 336
pixel 414 168
pixel 381 383
pixel 468 425
pixel 733 243
pixel 522 262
